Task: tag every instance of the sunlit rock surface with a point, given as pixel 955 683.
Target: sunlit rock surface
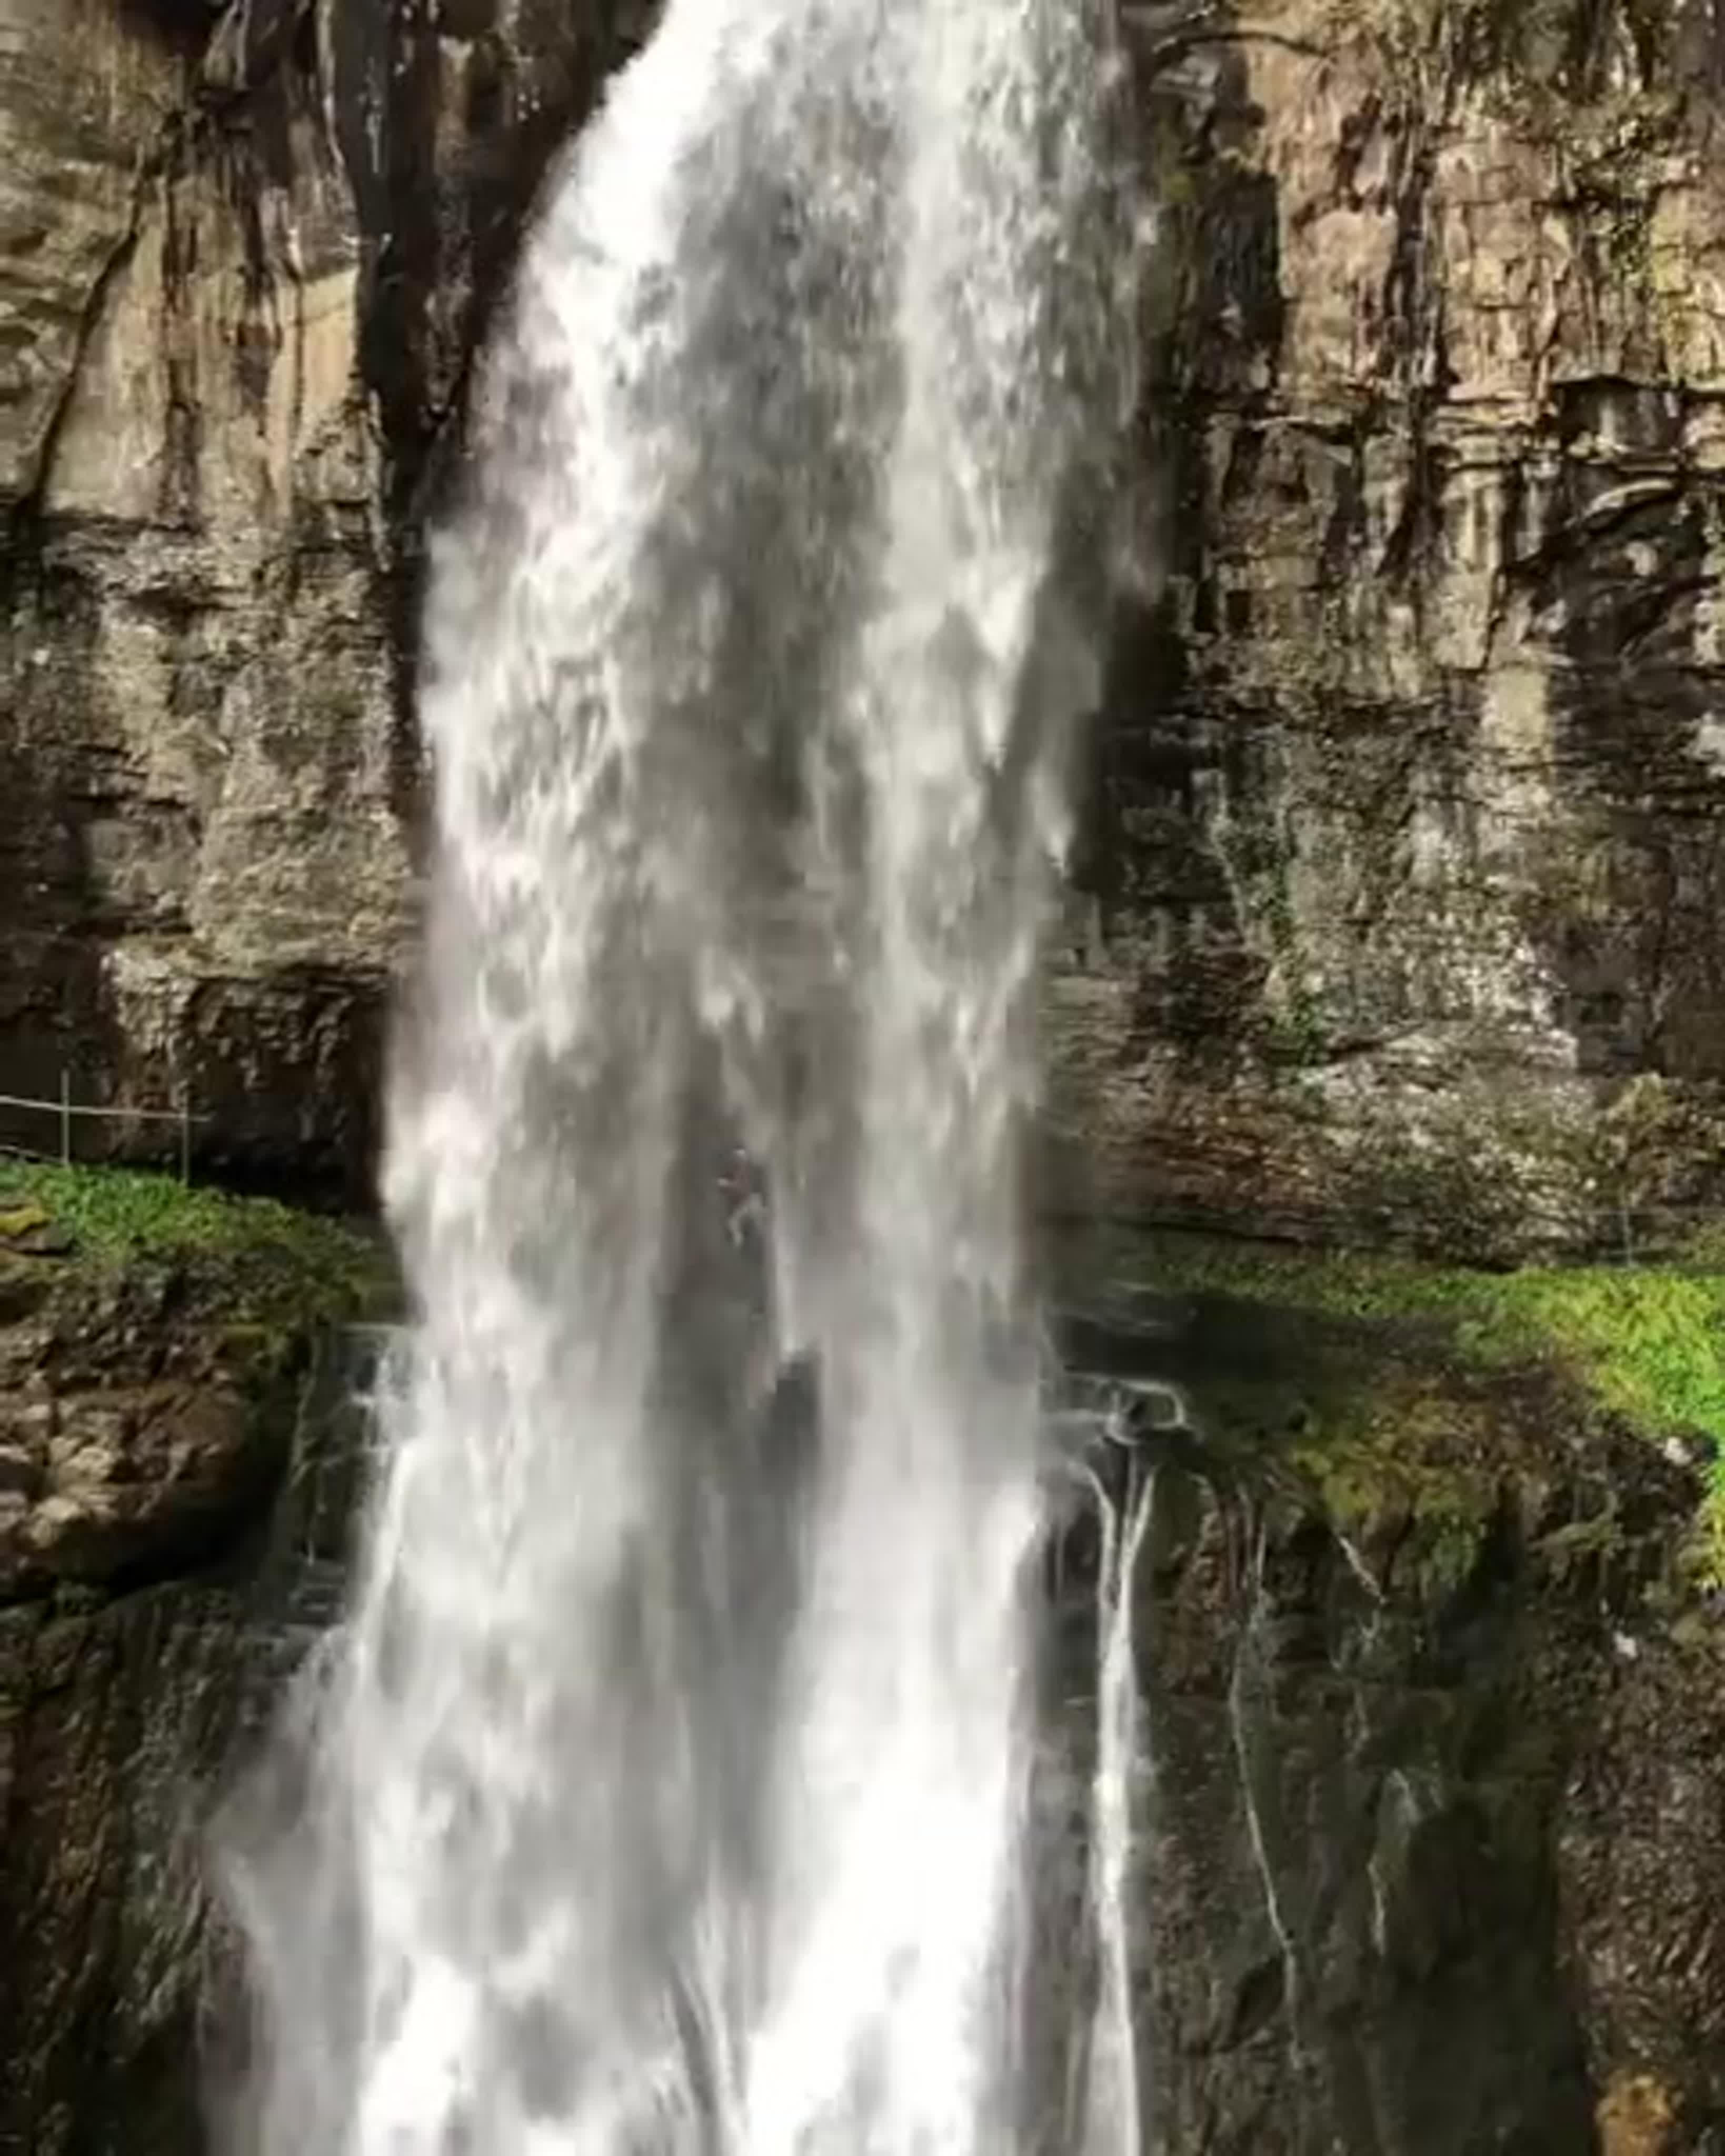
pixel 245 257
pixel 1403 875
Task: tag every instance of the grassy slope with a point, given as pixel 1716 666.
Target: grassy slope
pixel 300 1265
pixel 1647 1343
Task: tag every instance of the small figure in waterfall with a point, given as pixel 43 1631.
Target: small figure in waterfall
pixel 742 1185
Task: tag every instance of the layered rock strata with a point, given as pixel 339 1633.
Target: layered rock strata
pixel 1402 863
pixel 245 256
pixel 1395 887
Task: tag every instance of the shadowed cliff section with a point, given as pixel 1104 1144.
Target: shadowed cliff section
pixel 1428 1647
pixel 165 1356
pixel 1427 1839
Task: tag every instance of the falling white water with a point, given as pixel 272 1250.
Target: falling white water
pixel 1113 2108
pixel 668 1794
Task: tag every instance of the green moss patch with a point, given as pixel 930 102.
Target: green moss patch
pixel 270 1260
pixel 1432 1385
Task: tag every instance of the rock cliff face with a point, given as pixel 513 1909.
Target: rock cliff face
pixel 1398 877
pixel 159 1565
pixel 1404 846
pixel 244 256
pixel 1430 1831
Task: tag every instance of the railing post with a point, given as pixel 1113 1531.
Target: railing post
pixel 66 1116
pixel 185 1132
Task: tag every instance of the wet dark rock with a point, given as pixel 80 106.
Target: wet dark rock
pixel 42 1240
pixel 1432 1825
pixel 196 1551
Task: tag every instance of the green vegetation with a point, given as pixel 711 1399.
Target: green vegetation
pixel 1417 1356
pixel 275 1260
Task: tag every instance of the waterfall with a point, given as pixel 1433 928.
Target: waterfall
pixel 667 1791
pixel 1113 2105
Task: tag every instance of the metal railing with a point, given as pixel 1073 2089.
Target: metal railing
pixel 67 1112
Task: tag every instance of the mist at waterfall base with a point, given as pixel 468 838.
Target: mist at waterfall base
pixel 667 1789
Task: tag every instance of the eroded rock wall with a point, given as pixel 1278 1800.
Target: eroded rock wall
pixel 1403 858
pixel 248 255
pixel 1428 1837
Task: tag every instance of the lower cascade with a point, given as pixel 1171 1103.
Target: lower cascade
pixel 667 1788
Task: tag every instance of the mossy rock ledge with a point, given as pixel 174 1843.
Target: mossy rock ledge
pixel 168 1359
pixel 1431 1849
pixel 153 1344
